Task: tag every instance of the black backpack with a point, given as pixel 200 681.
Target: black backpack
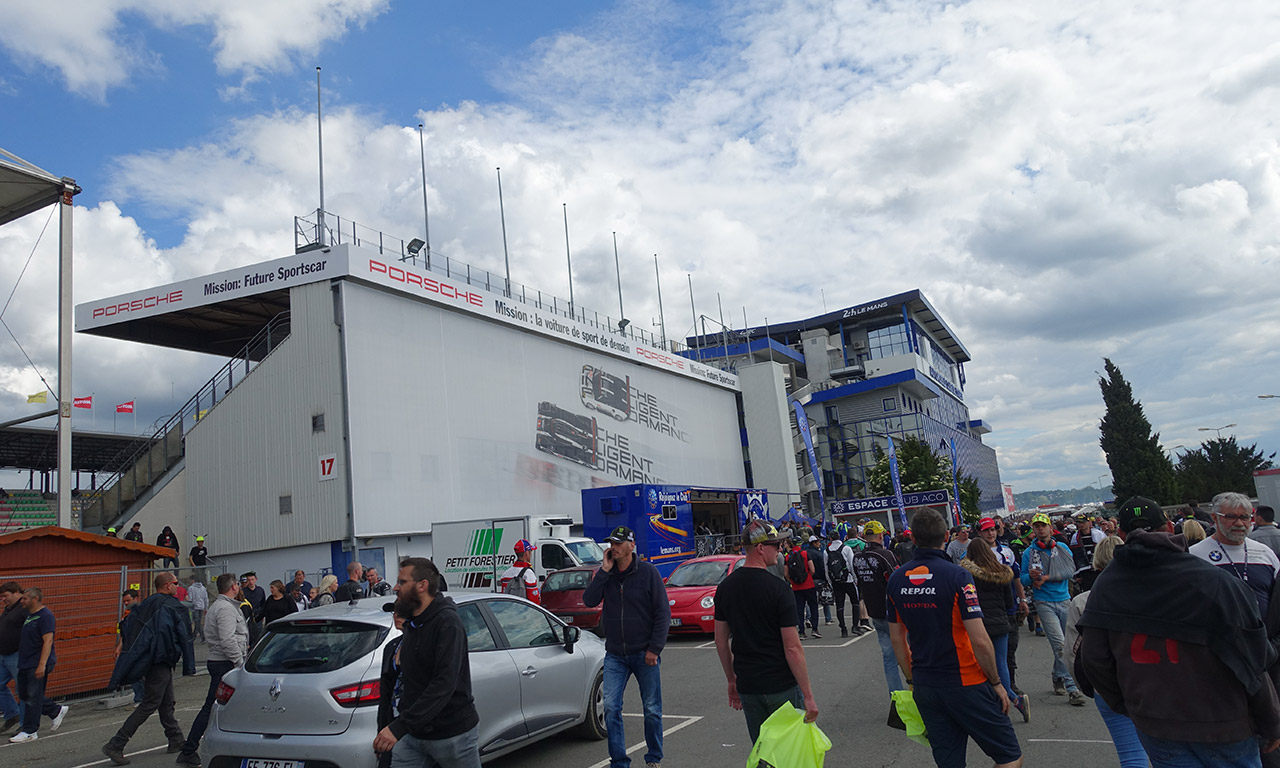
pixel 797 571
pixel 837 567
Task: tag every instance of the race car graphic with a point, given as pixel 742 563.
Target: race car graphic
pixel 567 435
pixel 606 393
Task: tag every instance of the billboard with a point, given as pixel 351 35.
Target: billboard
pixel 454 416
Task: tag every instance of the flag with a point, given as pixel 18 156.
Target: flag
pixel 125 407
pixel 82 402
pixel 39 397
pixel 802 422
pixel 955 485
pixel 897 484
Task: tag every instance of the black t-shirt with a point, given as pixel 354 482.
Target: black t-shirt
pixel 255 596
pixel 200 555
pixel 873 566
pixel 11 628
pixel 273 609
pixel 757 605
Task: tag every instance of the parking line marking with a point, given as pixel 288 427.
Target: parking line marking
pixel 50 736
pixel 127 754
pixel 689 720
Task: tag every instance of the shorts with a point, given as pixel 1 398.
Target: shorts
pixel 954 715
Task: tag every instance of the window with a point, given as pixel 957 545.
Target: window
pixel 524 625
pixel 317 422
pixel 313 647
pixel 888 342
pixel 553 557
pixel 286 505
pixel 479 638
pixel 889 404
pixel 668 511
pixel 564 581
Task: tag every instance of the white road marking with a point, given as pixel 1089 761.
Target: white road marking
pixel 46 738
pixel 689 720
pixel 127 754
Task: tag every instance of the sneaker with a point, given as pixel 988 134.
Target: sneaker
pixel 192 760
pixel 1059 688
pixel 116 756
pixel 828 622
pixel 130 706
pixel 176 745
pixel 9 724
pixel 817 635
pixel 62 715
pixel 653 765
pixel 1023 705
pixel 1040 632
pixel 844 633
pixel 1077 699
pixel 22 737
pixel 803 636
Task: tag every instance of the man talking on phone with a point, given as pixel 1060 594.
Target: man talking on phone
pixel 635 618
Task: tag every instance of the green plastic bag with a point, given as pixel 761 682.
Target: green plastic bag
pixel 787 741
pixel 905 701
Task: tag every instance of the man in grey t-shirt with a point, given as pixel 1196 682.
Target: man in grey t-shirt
pixel 1266 531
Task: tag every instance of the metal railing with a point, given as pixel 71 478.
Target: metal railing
pixel 136 470
pixel 306 236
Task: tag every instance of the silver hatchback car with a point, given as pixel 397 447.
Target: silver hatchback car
pixel 308 695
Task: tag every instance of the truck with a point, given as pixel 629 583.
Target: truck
pixel 665 518
pixel 472 554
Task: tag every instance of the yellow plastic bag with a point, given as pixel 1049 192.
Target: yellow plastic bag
pixel 787 741
pixel 905 701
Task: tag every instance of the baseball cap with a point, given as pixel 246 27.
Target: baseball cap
pixel 1141 512
pixel 524 545
pixel 986 523
pixel 872 527
pixel 760 532
pixel 112 529
pixel 199 538
pixel 620 534
pixel 1041 517
pixel 812 539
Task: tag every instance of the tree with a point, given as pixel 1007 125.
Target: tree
pixel 1139 467
pixel 1220 465
pixel 970 496
pixel 920 468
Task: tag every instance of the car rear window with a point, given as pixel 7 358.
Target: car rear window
pixel 311 647
pixel 563 580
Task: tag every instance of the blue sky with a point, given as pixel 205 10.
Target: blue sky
pixel 1058 182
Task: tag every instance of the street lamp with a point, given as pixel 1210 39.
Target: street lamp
pixel 1215 429
pixel 1169 452
pixel 1267 397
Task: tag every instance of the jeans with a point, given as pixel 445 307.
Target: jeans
pixel 197 624
pixel 31 691
pixel 1011 659
pixel 9 671
pixel 1186 754
pixel 138 688
pixel 892 676
pixel 157 695
pixel 1001 643
pixel 758 706
pixel 1053 616
pixel 617 669
pixel 807 597
pixel 165 563
pixel 216 670
pixel 1123 734
pixel 840 592
pixel 461 751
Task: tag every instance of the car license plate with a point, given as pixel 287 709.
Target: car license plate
pixel 675 622
pixel 266 762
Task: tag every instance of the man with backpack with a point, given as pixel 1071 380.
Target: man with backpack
pixel 800 574
pixel 520 579
pixel 844 582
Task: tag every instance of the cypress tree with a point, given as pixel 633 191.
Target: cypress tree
pixel 1138 465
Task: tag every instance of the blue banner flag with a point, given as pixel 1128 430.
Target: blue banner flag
pixel 955 485
pixel 802 421
pixel 897 485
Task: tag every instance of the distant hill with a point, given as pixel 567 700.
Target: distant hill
pixel 1086 495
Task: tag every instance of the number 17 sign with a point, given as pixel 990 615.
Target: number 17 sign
pixel 328 467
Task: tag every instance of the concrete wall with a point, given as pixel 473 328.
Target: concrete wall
pixel 768 421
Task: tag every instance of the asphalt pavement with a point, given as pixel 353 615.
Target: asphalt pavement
pixel 701 730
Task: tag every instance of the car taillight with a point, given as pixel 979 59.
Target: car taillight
pixel 223 694
pixel 367 692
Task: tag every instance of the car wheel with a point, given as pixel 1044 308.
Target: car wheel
pixel 593 728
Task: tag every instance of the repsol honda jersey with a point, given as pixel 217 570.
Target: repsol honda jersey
pixel 933 597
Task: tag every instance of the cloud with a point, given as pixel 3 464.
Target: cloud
pixel 97 45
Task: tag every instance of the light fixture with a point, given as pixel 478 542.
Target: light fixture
pixel 622 324
pixel 414 246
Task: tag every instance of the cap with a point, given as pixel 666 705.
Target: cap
pixel 760 532
pixel 1141 512
pixel 1082 515
pixel 199 538
pixel 620 534
pixel 872 527
pixel 833 535
pixel 812 539
pixel 986 524
pixel 112 529
pixel 523 546
pixel 1041 517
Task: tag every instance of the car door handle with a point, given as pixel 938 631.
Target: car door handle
pixel 529 672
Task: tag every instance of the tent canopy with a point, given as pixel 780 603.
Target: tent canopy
pixel 25 187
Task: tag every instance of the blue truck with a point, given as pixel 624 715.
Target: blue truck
pixel 666 517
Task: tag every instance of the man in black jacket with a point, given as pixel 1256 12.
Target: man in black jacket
pixel 157 635
pixel 635 618
pixel 438 725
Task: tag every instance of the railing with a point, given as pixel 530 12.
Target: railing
pixel 138 469
pixel 306 236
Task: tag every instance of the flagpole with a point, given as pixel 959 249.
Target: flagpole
pixel 320 234
pixel 568 258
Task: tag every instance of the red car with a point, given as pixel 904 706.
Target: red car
pixel 691 590
pixel 562 595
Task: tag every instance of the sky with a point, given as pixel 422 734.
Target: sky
pixel 1065 182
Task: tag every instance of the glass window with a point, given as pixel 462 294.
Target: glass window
pixel 888 341
pixel 704 574
pixel 561 581
pixel 524 625
pixel 553 557
pixel 310 647
pixel 479 638
pixel 588 552
pixel 889 404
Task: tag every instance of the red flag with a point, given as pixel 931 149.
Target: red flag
pixel 125 407
pixel 82 402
